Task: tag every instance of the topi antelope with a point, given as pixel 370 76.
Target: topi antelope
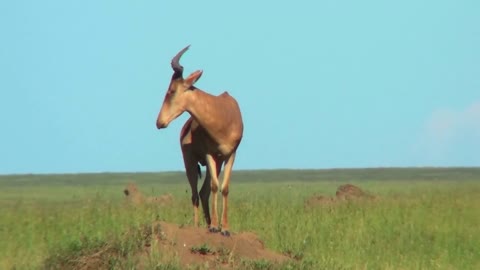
pixel 209 137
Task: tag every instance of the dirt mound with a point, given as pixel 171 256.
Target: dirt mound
pixel 164 244
pixel 344 192
pixel 134 196
pixel 196 246
pixel 350 191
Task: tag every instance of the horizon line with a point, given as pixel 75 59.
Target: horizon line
pixel 247 170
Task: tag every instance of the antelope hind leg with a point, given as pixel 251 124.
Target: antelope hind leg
pixel 227 171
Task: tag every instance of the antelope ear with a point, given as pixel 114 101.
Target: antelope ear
pixel 192 78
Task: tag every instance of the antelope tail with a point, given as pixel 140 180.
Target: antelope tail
pixel 199 171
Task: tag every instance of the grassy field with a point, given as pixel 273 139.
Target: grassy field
pixel 423 219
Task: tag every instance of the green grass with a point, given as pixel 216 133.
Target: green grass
pixel 425 218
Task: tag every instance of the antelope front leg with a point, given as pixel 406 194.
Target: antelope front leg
pixel 212 167
pixel 226 181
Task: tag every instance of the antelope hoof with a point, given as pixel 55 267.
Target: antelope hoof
pixel 213 230
pixel 225 233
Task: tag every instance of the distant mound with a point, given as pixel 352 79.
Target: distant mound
pixel 350 191
pixel 170 244
pixel 134 196
pixel 344 192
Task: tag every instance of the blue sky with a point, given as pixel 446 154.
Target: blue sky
pixel 321 84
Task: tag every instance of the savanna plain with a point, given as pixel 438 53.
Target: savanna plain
pixel 420 218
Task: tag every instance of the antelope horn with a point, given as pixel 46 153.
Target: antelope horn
pixel 175 61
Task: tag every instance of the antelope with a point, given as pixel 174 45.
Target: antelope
pixel 210 137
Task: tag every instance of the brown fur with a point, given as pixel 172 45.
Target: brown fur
pixel 210 137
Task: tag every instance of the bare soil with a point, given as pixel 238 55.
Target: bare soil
pixel 197 246
pixel 170 244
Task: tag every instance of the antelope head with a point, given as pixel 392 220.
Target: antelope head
pixel 178 92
